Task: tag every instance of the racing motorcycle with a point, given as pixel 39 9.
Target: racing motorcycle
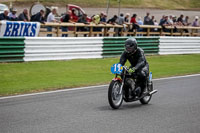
pixel 119 90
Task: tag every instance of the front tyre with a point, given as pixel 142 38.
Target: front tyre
pixel 114 97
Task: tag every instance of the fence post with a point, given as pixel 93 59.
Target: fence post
pixel 57 30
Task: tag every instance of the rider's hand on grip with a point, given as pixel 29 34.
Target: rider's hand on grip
pixel 131 70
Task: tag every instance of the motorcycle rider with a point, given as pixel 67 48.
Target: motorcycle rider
pixel 139 65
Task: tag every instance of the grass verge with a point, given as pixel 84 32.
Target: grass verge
pixel 28 77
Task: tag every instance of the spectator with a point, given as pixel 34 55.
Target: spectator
pixel 74 17
pixel 13 15
pixel 196 22
pixel 24 16
pixel 147 19
pixel 103 18
pixel 51 18
pixel 134 22
pixel 66 19
pixel 180 20
pixel 162 19
pixel 112 20
pixel 156 24
pixel 165 23
pixel 126 18
pixel 96 20
pixel 38 17
pixel 83 19
pixel 151 22
pixel 120 21
pixel 186 21
pixel 140 22
pixel 4 15
pixel 170 20
pixel 174 19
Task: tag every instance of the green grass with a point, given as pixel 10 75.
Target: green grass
pixel 161 4
pixel 20 78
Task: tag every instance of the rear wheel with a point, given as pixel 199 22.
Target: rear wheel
pixel 146 99
pixel 115 98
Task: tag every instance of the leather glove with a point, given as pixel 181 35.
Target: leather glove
pixel 131 70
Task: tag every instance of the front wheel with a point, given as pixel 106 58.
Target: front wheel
pixel 115 95
pixel 146 99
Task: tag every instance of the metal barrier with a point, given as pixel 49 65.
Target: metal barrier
pixel 114 46
pixel 179 45
pixel 11 49
pixel 58 48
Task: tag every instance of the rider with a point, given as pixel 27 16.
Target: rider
pixel 139 65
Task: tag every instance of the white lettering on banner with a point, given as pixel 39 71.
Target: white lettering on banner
pixel 17 29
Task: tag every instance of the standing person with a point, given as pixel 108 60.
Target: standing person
pixel 24 16
pixel 83 19
pixel 126 22
pixel 151 22
pixel 74 17
pixel 140 22
pixel 186 21
pixel 162 19
pixel 103 18
pixel 134 22
pixel 126 18
pixel 66 19
pixel 120 21
pixel 112 20
pixel 180 20
pixel 51 18
pixel 196 22
pixel 147 19
pixel 13 15
pixel 165 23
pixel 170 20
pixel 96 20
pixel 4 15
pixel 38 17
pixel 156 24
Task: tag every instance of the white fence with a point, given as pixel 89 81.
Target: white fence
pixel 59 48
pixel 179 45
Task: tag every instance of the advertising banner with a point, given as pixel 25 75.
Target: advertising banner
pixel 19 29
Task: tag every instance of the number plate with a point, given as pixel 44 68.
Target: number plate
pixel 116 68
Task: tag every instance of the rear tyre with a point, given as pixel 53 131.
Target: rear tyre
pixel 115 99
pixel 146 99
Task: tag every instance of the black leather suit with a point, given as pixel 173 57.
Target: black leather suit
pixel 138 61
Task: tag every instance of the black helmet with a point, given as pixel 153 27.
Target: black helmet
pixel 131 45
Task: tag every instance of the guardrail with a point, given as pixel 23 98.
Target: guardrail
pixel 14 49
pixel 118 30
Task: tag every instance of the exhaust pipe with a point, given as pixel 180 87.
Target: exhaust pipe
pixel 153 92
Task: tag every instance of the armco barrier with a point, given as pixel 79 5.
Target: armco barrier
pixel 11 49
pixel 59 48
pixel 113 46
pixel 179 45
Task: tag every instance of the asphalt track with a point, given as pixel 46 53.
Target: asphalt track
pixel 174 109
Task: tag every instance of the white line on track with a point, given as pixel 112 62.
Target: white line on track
pixel 89 87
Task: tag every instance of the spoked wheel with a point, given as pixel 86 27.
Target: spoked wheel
pixel 115 98
pixel 147 98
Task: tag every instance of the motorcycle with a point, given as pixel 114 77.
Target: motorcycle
pixel 119 90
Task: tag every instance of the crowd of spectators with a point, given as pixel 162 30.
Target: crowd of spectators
pixel 101 18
